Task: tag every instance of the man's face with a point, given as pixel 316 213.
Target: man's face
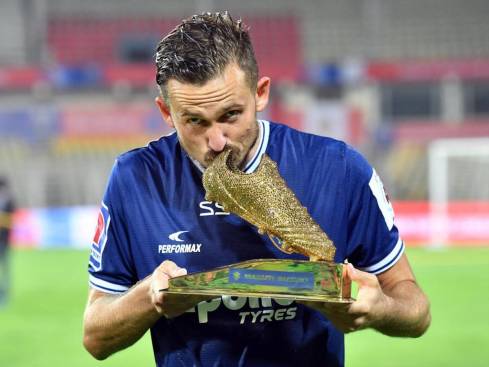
pixel 215 116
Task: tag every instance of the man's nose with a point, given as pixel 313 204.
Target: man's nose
pixel 216 138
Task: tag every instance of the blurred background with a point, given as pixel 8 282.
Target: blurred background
pixel 405 82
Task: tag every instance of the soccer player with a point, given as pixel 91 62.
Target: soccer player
pixel 155 224
pixel 6 211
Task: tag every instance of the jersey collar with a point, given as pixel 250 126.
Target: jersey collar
pixel 252 165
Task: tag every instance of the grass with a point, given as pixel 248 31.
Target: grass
pixel 456 281
pixel 41 326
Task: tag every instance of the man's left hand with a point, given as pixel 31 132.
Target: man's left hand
pixel 369 309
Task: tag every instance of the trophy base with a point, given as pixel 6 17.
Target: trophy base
pixel 314 281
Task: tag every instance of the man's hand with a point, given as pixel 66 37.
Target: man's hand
pixel 391 303
pixel 369 308
pixel 114 322
pixel 159 280
pixel 170 305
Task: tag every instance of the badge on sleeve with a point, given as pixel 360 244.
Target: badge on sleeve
pixel 383 201
pixel 100 238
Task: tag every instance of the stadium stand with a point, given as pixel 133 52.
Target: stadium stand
pixel 107 42
pixel 12 34
pixel 407 166
pixel 340 29
pixel 94 67
pixel 329 30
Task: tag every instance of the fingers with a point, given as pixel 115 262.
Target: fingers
pixel 359 314
pixel 361 277
pixel 167 269
pixel 171 269
pixel 358 324
pixel 166 304
pixel 340 314
pixel 159 280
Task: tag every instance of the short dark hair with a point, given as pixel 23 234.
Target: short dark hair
pixel 200 48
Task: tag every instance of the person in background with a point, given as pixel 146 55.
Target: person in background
pixel 6 212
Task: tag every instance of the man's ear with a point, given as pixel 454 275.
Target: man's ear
pixel 165 111
pixel 262 93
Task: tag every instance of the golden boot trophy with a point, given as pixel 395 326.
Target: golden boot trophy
pixel 264 200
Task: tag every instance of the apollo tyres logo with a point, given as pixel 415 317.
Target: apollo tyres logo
pixel 179 247
pixel 247 310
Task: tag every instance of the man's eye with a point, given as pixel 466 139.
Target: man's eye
pixel 194 121
pixel 231 114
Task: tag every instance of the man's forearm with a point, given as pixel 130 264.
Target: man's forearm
pixel 408 311
pixel 113 323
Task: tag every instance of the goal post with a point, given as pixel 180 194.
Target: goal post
pixel 458 172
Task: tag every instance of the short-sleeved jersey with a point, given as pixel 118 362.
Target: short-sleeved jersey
pixel 154 210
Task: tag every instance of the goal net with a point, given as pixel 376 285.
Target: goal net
pixel 458 175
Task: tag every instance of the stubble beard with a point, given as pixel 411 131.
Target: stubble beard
pixel 238 157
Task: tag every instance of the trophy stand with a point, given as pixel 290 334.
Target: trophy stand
pixel 318 281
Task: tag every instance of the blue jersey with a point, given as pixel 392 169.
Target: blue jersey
pixel 154 210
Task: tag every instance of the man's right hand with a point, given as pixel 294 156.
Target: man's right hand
pixel 167 304
pixel 159 280
pixel 114 322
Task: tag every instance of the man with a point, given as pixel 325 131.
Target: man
pixel 6 211
pixel 154 204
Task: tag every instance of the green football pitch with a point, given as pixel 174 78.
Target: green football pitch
pixel 41 325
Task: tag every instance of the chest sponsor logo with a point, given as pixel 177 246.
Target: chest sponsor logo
pixel 176 236
pixel 249 310
pixel 178 248
pixel 183 248
pixel 208 208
